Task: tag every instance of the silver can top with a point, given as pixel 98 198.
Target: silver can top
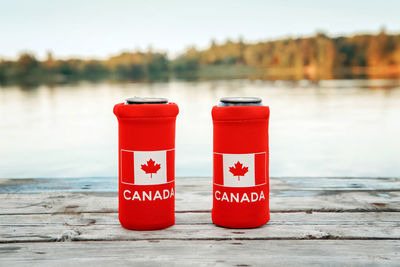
pixel 240 101
pixel 145 100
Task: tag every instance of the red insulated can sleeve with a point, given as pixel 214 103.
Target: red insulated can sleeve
pixel 240 166
pixel 146 152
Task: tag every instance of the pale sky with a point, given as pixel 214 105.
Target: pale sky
pixel 89 28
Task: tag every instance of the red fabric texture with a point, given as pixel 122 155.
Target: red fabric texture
pixel 146 127
pixel 238 131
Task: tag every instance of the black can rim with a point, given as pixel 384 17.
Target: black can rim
pixel 241 100
pixel 146 100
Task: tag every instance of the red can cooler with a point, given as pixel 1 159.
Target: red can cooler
pixel 146 129
pixel 241 161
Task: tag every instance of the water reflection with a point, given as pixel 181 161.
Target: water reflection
pixel 329 128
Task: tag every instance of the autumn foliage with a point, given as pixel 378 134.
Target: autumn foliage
pixel 311 57
pixel 151 167
pixel 238 170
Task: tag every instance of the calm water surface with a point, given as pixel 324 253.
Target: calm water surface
pixel 331 128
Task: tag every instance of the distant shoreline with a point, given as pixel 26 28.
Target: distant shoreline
pixel 364 56
pixel 225 72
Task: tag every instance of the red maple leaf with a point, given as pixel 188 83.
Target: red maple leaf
pixel 151 167
pixel 238 170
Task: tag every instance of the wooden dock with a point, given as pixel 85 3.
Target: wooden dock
pixel 314 221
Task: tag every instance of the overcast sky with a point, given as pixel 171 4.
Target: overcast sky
pixel 89 28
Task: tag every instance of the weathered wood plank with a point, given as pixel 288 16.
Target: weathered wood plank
pixel 287 194
pixel 193 218
pixel 110 184
pixel 65 202
pixel 204 253
pixel 191 226
pixel 91 215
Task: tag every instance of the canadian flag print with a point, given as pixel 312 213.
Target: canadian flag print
pixel 147 167
pixel 240 170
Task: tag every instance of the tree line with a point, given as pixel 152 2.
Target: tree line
pixel 315 57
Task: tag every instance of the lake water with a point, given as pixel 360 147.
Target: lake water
pixel 329 128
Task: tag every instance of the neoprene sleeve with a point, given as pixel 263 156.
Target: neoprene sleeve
pixel 146 165
pixel 240 169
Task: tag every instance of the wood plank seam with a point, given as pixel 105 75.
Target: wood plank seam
pixel 209 211
pixel 310 237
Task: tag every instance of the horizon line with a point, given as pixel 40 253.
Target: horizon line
pixel 150 47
